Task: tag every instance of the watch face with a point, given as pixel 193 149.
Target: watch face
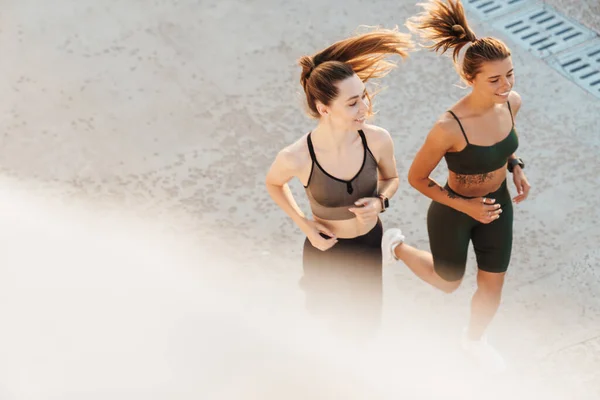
pixel 514 162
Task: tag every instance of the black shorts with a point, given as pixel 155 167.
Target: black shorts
pixel 344 284
pixel 450 232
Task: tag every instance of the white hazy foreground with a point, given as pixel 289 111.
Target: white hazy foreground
pixel 98 307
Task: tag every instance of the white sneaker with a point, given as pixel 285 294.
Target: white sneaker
pixel 483 353
pixel 391 238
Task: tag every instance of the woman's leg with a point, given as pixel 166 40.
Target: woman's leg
pixel 493 246
pixel 484 305
pixel 343 285
pixel 485 302
pixel 420 262
pixel 449 235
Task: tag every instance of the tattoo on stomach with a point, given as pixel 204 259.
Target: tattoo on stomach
pixel 474 180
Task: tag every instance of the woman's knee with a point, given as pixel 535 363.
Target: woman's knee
pixel 449 286
pixel 490 282
pixel 451 273
pixel 449 277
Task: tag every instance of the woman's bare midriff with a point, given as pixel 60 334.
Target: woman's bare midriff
pixel 477 185
pixel 348 228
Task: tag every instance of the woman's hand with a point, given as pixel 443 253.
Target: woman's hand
pixel 318 235
pixel 367 209
pixel 482 209
pixel 521 184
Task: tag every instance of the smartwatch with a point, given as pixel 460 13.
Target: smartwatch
pixel 513 162
pixel 385 202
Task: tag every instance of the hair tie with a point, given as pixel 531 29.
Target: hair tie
pixel 309 72
pixel 459 29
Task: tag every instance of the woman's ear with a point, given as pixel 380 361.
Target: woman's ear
pixel 322 109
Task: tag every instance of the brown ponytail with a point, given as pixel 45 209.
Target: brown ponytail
pixel 444 23
pixel 364 55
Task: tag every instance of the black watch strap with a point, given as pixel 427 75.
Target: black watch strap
pixel 512 163
pixel 385 202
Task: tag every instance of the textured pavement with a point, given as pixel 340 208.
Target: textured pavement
pixel 144 259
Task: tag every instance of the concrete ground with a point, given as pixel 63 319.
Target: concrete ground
pixel 586 12
pixel 143 258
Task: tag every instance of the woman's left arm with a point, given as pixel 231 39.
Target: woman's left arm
pixel 519 178
pixel 382 147
pixel 388 181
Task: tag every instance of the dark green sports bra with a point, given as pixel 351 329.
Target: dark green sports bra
pixel 475 159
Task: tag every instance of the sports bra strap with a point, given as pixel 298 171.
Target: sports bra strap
pixel 511 114
pixel 311 149
pixel 459 124
pixel 363 138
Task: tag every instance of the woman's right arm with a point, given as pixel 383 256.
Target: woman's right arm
pixel 438 143
pixel 286 166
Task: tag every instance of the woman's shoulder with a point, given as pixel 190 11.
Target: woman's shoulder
pixel 445 134
pixel 514 100
pixel 296 155
pixel 376 136
pixel 447 126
